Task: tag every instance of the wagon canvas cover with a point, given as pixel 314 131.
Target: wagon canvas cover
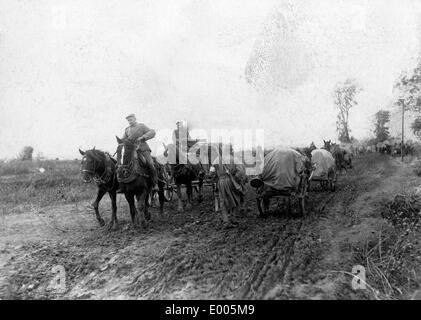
pixel 281 169
pixel 324 162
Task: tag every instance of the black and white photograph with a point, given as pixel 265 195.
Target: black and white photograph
pixel 231 151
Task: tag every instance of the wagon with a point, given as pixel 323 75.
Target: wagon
pixel 324 170
pixel 168 188
pixel 327 182
pixel 285 178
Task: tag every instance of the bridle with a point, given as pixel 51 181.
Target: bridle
pixel 106 177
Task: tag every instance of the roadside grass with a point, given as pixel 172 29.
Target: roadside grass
pixel 18 167
pixel 22 183
pixel 392 260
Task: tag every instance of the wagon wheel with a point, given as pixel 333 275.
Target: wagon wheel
pixel 168 189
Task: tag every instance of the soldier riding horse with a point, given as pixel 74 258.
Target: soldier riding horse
pixel 136 182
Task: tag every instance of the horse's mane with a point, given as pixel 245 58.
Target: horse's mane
pixel 99 155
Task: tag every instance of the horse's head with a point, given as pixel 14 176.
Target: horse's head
pixel 129 150
pixel 327 145
pixel 92 161
pixel 312 146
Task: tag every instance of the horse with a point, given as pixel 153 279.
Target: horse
pixel 185 173
pixel 100 167
pixel 342 157
pixel 135 182
pixel 306 151
pixel 327 145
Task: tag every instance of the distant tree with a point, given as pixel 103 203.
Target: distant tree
pixel 416 127
pixel 409 86
pixel 344 98
pixel 381 131
pixel 26 153
pixel 353 140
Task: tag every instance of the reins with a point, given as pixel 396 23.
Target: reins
pixel 106 177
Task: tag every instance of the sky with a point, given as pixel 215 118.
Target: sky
pixel 71 70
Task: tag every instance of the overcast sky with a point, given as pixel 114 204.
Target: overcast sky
pixel 71 70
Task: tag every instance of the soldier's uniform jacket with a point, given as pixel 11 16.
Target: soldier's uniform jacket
pixel 181 135
pixel 138 130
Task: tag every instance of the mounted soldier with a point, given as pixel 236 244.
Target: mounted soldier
pixel 181 134
pixel 182 141
pixel 139 133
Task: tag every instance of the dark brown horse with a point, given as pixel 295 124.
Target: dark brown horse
pixel 135 182
pixel 185 170
pixel 100 167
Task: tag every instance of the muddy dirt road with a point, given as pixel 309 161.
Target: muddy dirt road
pixel 190 255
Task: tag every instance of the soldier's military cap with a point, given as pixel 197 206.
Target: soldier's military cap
pixel 131 115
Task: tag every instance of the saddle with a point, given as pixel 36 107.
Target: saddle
pixel 141 160
pixel 128 173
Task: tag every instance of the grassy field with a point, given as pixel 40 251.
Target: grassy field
pixel 22 183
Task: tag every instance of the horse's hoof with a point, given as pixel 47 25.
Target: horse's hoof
pixel 145 224
pixel 101 222
pixel 200 199
pixel 189 207
pixel 180 210
pixel 113 226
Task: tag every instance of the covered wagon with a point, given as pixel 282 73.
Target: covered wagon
pixel 285 177
pixel 324 169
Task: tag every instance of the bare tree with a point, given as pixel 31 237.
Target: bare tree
pixel 344 98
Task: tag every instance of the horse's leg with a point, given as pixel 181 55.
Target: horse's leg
pixel 200 198
pixel 216 197
pixel 95 205
pixel 189 191
pixel 241 207
pixel 134 216
pixel 113 223
pixel 161 197
pixel 180 207
pixel 147 214
pixel 242 203
pixel 142 208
